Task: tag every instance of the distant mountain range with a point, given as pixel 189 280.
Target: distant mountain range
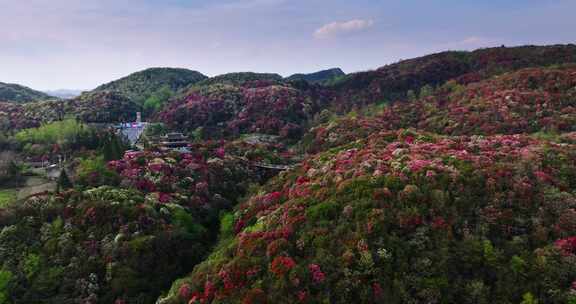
pixel 16 93
pixel 64 93
pixel 141 85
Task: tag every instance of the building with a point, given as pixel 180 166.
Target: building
pixel 174 141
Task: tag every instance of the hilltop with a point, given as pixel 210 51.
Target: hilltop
pixel 20 94
pixel 396 81
pixel 141 85
pixel 241 78
pixel 321 77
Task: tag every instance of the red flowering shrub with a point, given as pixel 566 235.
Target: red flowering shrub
pixel 281 265
pixel 100 107
pixel 229 110
pixel 526 101
pixel 393 81
pixel 398 210
pixel 317 275
pixel 567 246
pixel 188 179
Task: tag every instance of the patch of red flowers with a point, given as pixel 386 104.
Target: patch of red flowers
pixel 281 265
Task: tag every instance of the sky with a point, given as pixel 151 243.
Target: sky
pixel 73 44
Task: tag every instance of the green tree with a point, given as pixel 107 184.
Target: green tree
pixel 31 265
pixel 113 148
pixel 411 96
pixel 198 134
pixel 528 298
pixel 5 278
pixel 426 91
pixel 64 182
pixel 93 172
pixel 157 100
pixel 13 170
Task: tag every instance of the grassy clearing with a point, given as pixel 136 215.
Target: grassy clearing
pixel 7 196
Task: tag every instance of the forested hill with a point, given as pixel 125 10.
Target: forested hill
pixel 396 81
pixel 321 77
pixel 20 94
pixel 141 85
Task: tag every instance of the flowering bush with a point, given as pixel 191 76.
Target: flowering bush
pixel 102 245
pixel 393 81
pixel 99 107
pixel 400 214
pixel 281 265
pixel 112 244
pixel 229 110
pixel 526 101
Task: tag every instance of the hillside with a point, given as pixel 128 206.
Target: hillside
pixel 395 81
pixel 92 107
pixel 321 77
pixel 234 106
pixel 526 101
pixel 237 103
pixel 241 78
pixel 20 94
pixel 141 85
pixel 384 213
pixel 401 217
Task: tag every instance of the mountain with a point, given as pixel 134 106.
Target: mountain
pixel 241 104
pixel 102 107
pixel 64 93
pixel 321 77
pixel 90 107
pixel 443 197
pixel 530 100
pixel 395 81
pixel 402 217
pixel 20 94
pixel 141 85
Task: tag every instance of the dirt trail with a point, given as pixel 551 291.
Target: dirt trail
pixel 35 184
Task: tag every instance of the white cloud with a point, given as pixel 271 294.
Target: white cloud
pixel 472 40
pixel 476 41
pixel 338 28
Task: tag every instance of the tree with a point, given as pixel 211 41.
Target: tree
pixel 5 278
pixel 528 298
pixel 64 182
pixel 113 149
pixel 411 96
pixel 10 172
pixel 157 100
pixel 426 91
pixel 93 172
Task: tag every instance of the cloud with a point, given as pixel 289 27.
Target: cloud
pixel 472 40
pixel 339 28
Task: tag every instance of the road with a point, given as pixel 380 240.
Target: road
pixel 133 132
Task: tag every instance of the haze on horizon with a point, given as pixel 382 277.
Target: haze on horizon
pixel 71 44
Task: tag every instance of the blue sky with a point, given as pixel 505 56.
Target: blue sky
pixel 52 44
